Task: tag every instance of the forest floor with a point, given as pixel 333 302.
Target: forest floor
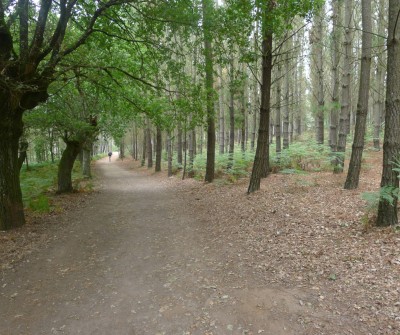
pixel 146 254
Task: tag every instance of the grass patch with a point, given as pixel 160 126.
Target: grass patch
pixel 39 183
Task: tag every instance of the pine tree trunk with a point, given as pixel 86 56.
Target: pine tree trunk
pixel 221 114
pixel 285 129
pixel 158 149
pixel 231 115
pixel 149 146
pixel 334 112
pixel 243 114
pixel 144 149
pixel 278 139
pixel 66 164
pixel 387 212
pixel 378 106
pixel 261 159
pixel 255 105
pixel 318 86
pixel 179 145
pixel 207 6
pixel 344 120
pixel 169 154
pixel 353 174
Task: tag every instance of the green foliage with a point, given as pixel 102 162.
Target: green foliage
pixel 301 156
pixel 40 204
pixel 36 183
pixel 39 182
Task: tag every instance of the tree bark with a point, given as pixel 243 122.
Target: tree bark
pixel 158 149
pixel 179 145
pixel 23 147
pixel 149 146
pixel 334 110
pixel 207 6
pixel 387 212
pixel 87 157
pixel 11 207
pixel 169 154
pixel 344 120
pixel 318 86
pixel 278 138
pixel 144 148
pixel 221 114
pixel 66 164
pixel 261 159
pixel 231 114
pixel 378 106
pixel 353 174
pixel 285 129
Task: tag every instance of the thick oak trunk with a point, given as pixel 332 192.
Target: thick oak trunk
pixel 11 207
pixel 65 166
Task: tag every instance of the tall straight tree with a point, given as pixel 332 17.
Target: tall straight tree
pixel 387 211
pixel 353 174
pixel 334 109
pixel 274 17
pixel 344 119
pixel 208 7
pixel 318 76
pixel 261 158
pixel 378 106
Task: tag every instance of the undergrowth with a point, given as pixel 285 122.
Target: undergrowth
pixel 300 157
pixel 39 182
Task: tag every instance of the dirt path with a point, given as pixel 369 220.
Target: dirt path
pixel 138 260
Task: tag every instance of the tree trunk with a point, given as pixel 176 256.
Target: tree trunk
pixel 334 112
pixel 158 149
pixel 231 114
pixel 344 120
pixel 278 139
pixel 387 212
pixel 221 114
pixel 378 106
pixel 261 158
pixel 122 149
pixel 318 86
pixel 149 146
pixel 11 207
pixel 23 147
pixel 207 6
pixel 169 154
pixel 243 113
pixel 255 105
pixel 144 148
pixel 285 132
pixel 353 174
pixel 86 171
pixel 66 164
pixel 179 145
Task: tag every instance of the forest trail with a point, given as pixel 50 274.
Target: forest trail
pixel 138 260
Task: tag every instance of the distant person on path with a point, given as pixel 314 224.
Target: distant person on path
pixel 109 156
